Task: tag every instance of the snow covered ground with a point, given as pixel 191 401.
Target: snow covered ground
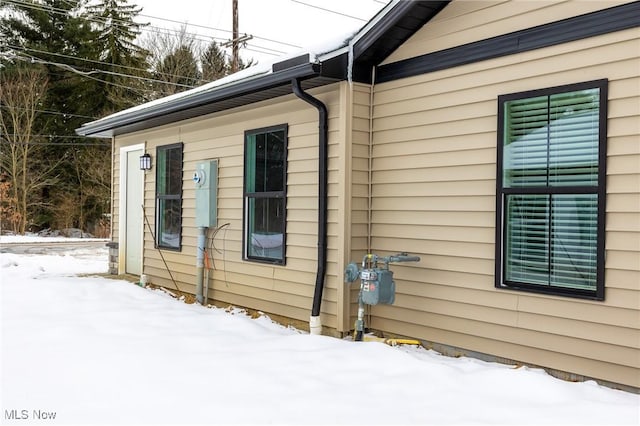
pixel 90 350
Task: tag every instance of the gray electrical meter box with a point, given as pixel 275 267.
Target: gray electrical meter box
pixel 206 179
pixel 378 286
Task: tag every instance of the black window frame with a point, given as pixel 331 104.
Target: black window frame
pixel 247 195
pixel 600 190
pixel 160 198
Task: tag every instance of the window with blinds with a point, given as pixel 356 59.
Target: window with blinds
pixel 550 200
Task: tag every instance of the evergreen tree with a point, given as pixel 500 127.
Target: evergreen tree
pixel 85 53
pixel 52 32
pixel 179 69
pixel 214 63
pixel 116 37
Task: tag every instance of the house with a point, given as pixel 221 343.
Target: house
pixel 499 141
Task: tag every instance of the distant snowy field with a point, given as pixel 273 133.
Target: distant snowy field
pixel 33 238
pixel 91 350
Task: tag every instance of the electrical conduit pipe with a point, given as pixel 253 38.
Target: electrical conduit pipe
pixel 201 246
pixel 315 325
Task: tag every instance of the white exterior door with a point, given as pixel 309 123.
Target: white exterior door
pixel 131 215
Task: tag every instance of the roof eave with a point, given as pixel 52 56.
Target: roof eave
pixel 108 127
pixel 381 36
pixel 403 18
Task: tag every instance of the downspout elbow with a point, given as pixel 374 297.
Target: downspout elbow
pixel 315 325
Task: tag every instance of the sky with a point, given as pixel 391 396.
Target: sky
pixel 277 26
pixel 85 350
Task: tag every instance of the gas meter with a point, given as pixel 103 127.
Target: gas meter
pixel 378 286
pixel 376 283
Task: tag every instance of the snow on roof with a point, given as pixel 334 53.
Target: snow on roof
pixel 317 53
pixel 244 74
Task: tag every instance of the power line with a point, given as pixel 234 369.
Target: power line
pixel 158 30
pixel 88 74
pixel 329 10
pixel 75 58
pixel 84 74
pixel 262 49
pixel 42 111
pixel 144 27
pixel 147 27
pixel 43 136
pixel 50 9
pixel 115 22
pixel 183 23
pixel 59 143
pixel 218 29
pixel 44 143
pixel 102 21
pixel 36 59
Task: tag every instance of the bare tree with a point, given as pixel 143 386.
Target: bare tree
pixel 8 216
pixel 25 170
pixel 93 175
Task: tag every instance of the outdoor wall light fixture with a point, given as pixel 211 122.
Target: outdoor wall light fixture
pixel 145 162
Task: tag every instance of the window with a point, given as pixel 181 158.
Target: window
pixel 169 196
pixel 551 190
pixel 265 181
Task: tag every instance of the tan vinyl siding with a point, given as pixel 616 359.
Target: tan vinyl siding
pixel 359 190
pixel 467 21
pixel 434 192
pixel 282 290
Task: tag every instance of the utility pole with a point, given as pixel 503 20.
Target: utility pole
pixel 234 40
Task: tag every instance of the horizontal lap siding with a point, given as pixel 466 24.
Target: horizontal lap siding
pixel 434 189
pixel 282 290
pixel 360 170
pixel 359 188
pixel 464 21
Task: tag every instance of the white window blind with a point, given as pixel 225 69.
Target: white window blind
pixel 550 189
